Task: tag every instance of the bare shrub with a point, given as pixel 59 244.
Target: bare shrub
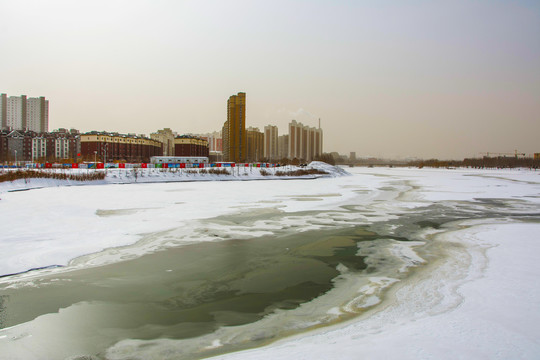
pixel 301 172
pixel 37 174
pixel 218 171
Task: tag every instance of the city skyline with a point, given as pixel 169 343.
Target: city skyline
pixel 445 79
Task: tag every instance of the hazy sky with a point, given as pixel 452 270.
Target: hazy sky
pixel 447 79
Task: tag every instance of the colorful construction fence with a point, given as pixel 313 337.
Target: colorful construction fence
pixel 99 165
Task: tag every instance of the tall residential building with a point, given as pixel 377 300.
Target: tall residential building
pixel 234 129
pixel 37 114
pixel 3 111
pixel 283 147
pixel 16 112
pixel 22 113
pixel 271 142
pixel 255 144
pixel 305 143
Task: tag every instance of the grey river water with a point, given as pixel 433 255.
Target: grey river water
pixel 188 291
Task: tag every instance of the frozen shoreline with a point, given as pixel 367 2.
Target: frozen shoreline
pixel 152 176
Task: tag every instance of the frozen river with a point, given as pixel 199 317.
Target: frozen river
pixel 325 268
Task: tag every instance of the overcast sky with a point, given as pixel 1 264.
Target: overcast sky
pixel 446 79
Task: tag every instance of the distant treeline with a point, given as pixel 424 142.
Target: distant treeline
pixel 483 163
pixel 40 174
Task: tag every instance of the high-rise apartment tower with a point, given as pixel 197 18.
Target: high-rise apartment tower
pixel 271 142
pixel 234 129
pixel 305 143
pixel 22 113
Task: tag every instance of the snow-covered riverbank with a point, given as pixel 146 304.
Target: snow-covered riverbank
pixel 151 175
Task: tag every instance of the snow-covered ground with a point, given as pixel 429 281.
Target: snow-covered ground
pixel 152 175
pixel 477 298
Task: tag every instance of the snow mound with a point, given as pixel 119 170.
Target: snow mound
pixel 332 170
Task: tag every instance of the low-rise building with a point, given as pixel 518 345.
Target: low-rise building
pixel 19 145
pixel 188 145
pixel 109 147
pixel 63 145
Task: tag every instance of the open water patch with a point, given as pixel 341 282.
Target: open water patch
pixel 186 292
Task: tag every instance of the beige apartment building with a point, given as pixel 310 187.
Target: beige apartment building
pixel 305 143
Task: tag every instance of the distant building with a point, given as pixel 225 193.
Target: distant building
pixel 32 146
pixel 234 129
pixel 22 113
pixel 255 144
pixel 19 146
pixel 215 141
pixel 179 160
pixel 39 148
pixel 3 146
pixel 166 138
pixel 283 147
pixel 61 144
pixel 187 145
pixel 305 143
pixel 108 147
pixel 536 156
pixel 271 142
pixel 3 112
pixel 37 114
pixel 352 157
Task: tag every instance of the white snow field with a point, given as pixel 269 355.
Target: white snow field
pixel 472 293
pixel 58 221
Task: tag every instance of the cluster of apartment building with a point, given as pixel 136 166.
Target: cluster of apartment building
pixel 18 145
pixel 115 147
pixel 24 136
pixel 24 113
pixel 241 144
